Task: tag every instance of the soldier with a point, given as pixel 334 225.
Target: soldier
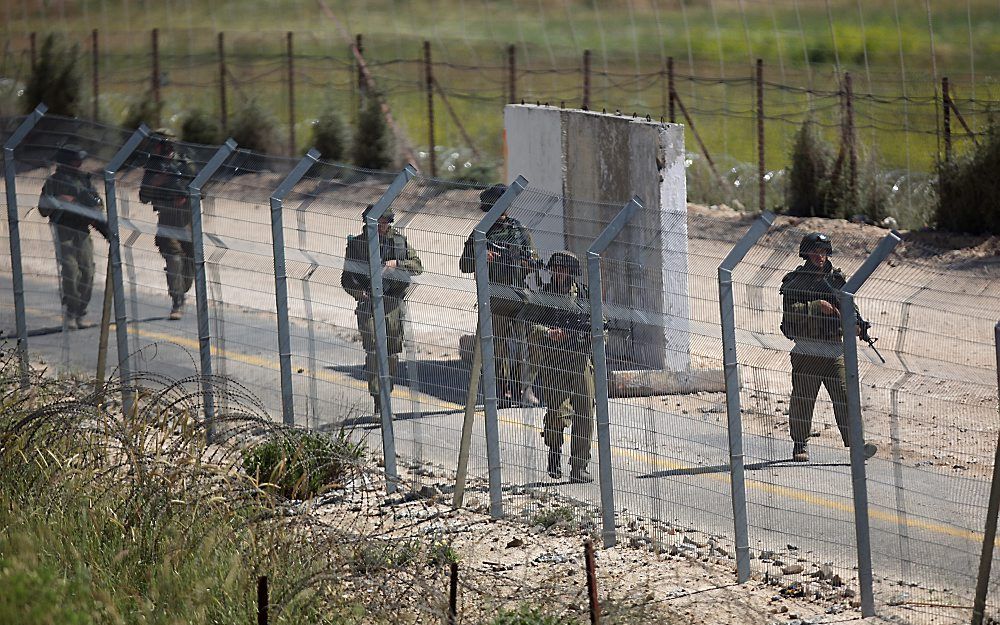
pixel 560 342
pixel 811 318
pixel 164 185
pixel 399 263
pixel 512 257
pixel 73 206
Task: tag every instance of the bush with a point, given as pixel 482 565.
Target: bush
pixel 201 128
pixel 371 148
pixel 254 128
pixel 526 615
pixel 484 175
pixel 300 463
pixel 969 189
pixel 142 110
pixel 55 80
pixel 328 136
pixel 808 185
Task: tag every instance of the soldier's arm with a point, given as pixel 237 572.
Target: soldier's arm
pixel 349 278
pixel 412 262
pixel 466 264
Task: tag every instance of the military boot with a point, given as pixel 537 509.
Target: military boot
pixel 800 453
pixel 555 459
pixel 580 475
pixel 378 404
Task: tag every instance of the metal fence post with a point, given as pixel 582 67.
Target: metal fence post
pixel 201 288
pixel 599 353
pixel 727 310
pixel 10 183
pixel 482 273
pixel 281 282
pixel 371 217
pixel 990 535
pixel 856 427
pixel 115 258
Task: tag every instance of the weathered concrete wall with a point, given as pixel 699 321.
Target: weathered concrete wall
pixel 600 162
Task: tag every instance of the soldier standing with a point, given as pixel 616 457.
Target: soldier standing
pixel 399 263
pixel 560 343
pixel 512 257
pixel 73 206
pixel 811 318
pixel 164 185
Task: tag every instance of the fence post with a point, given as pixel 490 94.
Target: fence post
pixel 486 340
pixel 33 39
pixel 599 353
pixel 200 285
pixel 262 600
pixel 223 119
pixel 371 217
pixel 856 427
pixel 851 145
pixel 95 68
pixel 945 100
pixel 429 79
pixel 734 421
pixel 586 80
pixel 291 93
pixel 512 73
pixel 761 167
pixel 156 73
pixel 362 85
pixel 115 260
pixel 671 90
pixel 281 282
pixel 10 184
pixel 990 535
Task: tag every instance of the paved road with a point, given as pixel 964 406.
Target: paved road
pixel 670 465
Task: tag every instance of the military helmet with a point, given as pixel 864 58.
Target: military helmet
pixel 815 242
pixel 565 258
pixel 69 154
pixel 490 196
pixel 389 215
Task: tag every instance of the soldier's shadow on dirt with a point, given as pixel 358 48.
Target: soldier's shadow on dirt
pixel 756 466
pixel 447 380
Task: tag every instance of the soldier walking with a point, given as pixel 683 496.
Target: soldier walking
pixel 399 263
pixel 164 185
pixel 73 206
pixel 560 344
pixel 811 318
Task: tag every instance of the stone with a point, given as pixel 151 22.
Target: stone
pixel 514 543
pixel 792 569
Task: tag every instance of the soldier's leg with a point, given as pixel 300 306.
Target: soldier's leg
pixel 170 251
pixel 366 328
pixel 501 347
pixel 68 271
pixel 805 387
pixel 528 366
pixel 394 337
pixel 835 381
pixel 187 267
pixel 85 275
pixel 582 402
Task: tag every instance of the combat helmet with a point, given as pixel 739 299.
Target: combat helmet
pixel 815 242
pixel 69 154
pixel 565 258
pixel 490 196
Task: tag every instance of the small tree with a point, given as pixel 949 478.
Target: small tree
pixel 371 148
pixel 328 136
pixel 969 189
pixel 254 128
pixel 200 127
pixel 808 178
pixel 55 80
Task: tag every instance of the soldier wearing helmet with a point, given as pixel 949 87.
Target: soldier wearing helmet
pixel 512 257
pixel 560 344
pixel 399 263
pixel 165 186
pixel 811 318
pixel 73 206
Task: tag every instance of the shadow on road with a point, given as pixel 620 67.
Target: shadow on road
pixel 756 466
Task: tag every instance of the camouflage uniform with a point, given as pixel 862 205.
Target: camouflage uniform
pixel 818 356
pixel 395 283
pixel 164 185
pixel 509 268
pixel 565 367
pixel 73 206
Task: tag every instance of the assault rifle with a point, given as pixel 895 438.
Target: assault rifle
pixel 864 325
pixel 515 256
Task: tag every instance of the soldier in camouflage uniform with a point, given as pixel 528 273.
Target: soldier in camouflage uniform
pixel 164 185
pixel 512 257
pixel 399 263
pixel 811 318
pixel 73 206
pixel 560 345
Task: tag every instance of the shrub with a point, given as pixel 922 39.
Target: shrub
pixel 484 175
pixel 555 516
pixel 808 185
pixel 201 128
pixel 969 189
pixel 254 128
pixel 55 80
pixel 371 147
pixel 526 615
pixel 328 136
pixel 300 464
pixel 142 110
